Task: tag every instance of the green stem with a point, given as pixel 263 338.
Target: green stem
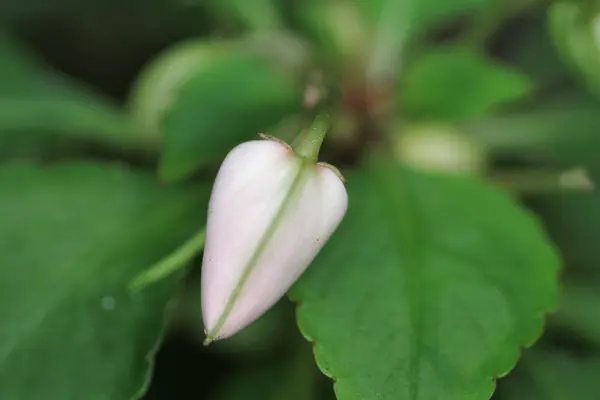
pixel 173 262
pixel 308 143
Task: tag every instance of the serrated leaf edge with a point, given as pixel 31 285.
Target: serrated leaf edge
pixel 539 321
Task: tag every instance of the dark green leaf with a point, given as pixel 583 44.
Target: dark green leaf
pixel 428 289
pixel 550 374
pixel 230 102
pixel 40 108
pixel 578 311
pixel 529 46
pixel 292 378
pixel 258 14
pixel 454 84
pixel 563 131
pixel 72 237
pixel 572 219
pixel 262 336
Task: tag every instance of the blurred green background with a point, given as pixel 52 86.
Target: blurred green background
pixel 143 99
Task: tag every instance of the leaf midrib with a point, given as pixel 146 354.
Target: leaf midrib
pixel 405 226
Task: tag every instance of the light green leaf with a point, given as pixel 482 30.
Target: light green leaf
pixel 233 100
pixel 415 16
pixel 428 290
pixel 40 108
pixel 72 237
pixel 453 84
pixel 398 22
pixel 159 83
pixel 572 26
pixel 375 31
pixel 339 30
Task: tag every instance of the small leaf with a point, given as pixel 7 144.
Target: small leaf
pixel 574 28
pixel 228 103
pixel 454 84
pixel 72 237
pixel 398 22
pixel 375 31
pixel 338 29
pixel 428 289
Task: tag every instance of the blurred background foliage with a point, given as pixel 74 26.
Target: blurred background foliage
pixel 155 85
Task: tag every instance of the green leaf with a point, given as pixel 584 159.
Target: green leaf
pixel 40 108
pixel 158 84
pixel 398 22
pixel 555 375
pixel 418 14
pixel 72 237
pixel 572 26
pixel 428 289
pixel 375 31
pixel 563 131
pixel 453 84
pixel 339 30
pixel 230 102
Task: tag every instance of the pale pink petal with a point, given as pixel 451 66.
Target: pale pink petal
pixel 251 186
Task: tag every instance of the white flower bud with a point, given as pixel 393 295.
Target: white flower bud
pixel 270 213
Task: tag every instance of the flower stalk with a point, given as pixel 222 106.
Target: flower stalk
pixel 309 142
pixel 173 262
